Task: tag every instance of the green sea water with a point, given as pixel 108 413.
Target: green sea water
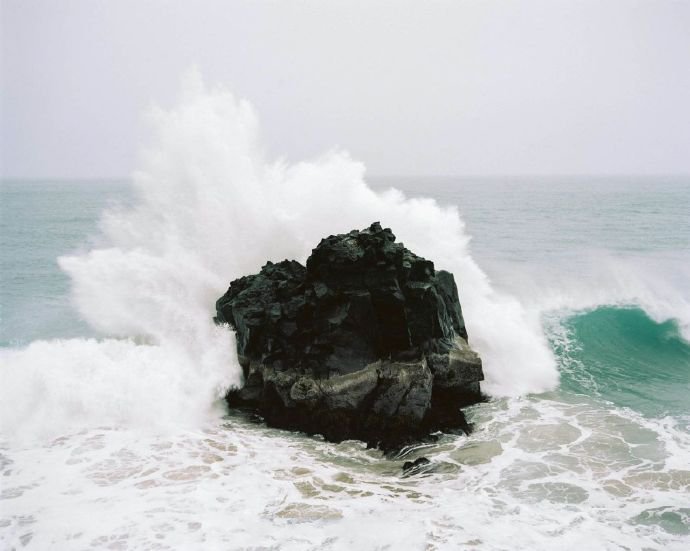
pixel 624 356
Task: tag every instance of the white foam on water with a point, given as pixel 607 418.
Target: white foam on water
pixel 53 388
pixel 537 474
pixel 209 207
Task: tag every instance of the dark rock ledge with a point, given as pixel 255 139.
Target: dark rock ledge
pixel 367 342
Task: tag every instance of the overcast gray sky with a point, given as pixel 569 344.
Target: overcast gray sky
pixel 410 88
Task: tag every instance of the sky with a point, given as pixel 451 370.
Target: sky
pixel 410 88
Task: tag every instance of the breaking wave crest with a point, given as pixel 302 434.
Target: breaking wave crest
pixel 624 356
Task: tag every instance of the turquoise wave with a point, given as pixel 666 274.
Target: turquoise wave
pixel 624 356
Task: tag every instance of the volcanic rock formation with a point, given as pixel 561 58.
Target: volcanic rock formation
pixel 367 342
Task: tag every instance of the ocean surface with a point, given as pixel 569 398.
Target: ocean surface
pixel 113 431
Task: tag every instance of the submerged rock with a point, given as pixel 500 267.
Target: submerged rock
pixel 415 467
pixel 366 342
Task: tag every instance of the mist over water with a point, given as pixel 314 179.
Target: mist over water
pixel 111 400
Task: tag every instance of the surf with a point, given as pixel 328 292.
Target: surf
pixel 208 207
pixel 622 355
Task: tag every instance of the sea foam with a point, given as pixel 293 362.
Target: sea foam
pixel 210 207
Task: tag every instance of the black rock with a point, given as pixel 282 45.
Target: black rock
pixel 413 467
pixel 367 342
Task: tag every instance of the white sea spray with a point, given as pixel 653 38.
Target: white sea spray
pixel 209 207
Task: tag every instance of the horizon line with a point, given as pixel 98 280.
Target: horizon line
pixel 367 177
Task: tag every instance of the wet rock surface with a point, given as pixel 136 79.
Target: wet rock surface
pixel 415 467
pixel 366 342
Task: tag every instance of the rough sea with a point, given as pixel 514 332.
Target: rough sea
pixel 113 433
